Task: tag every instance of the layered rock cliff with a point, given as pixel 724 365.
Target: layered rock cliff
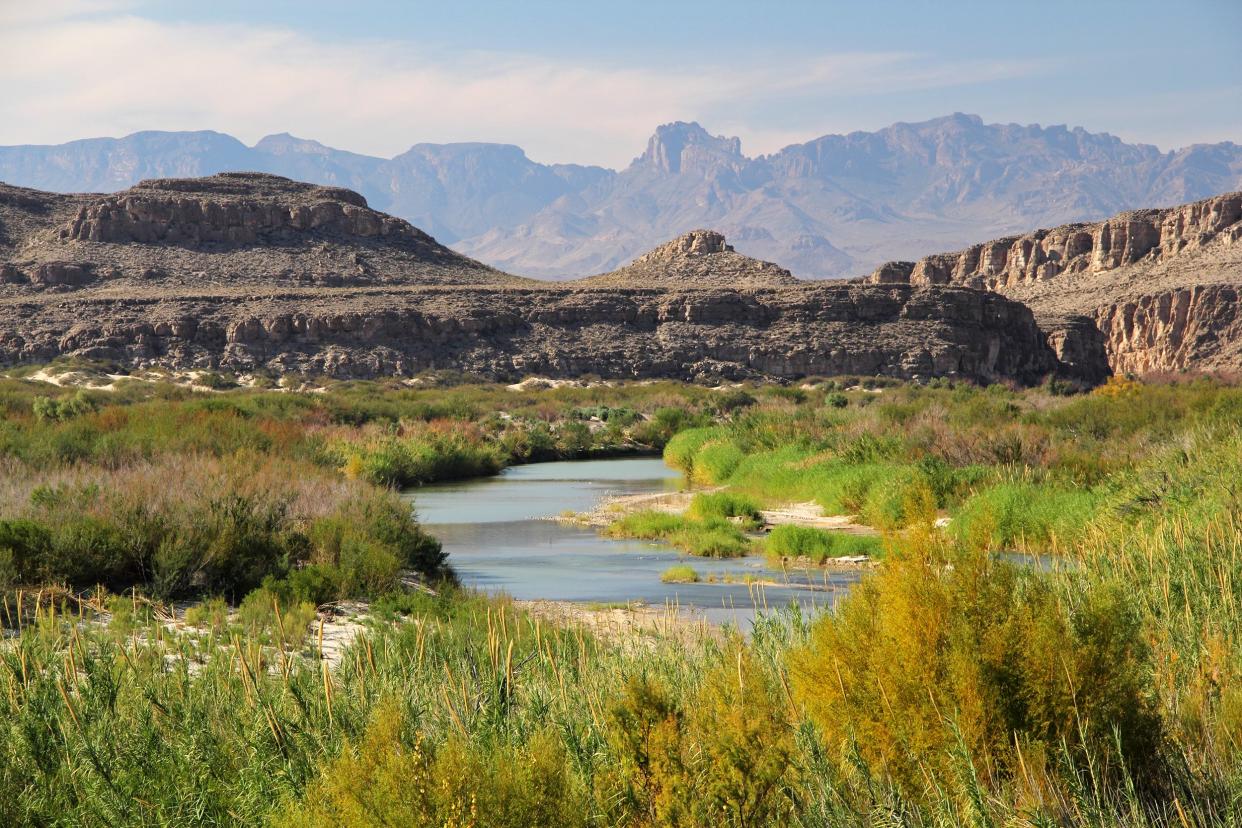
pixel 250 271
pixel 1160 286
pixel 505 333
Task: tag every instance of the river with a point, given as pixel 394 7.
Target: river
pixel 501 536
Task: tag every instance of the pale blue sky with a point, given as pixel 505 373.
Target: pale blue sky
pixel 587 82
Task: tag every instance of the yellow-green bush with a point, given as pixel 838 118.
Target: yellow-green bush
pixel 936 651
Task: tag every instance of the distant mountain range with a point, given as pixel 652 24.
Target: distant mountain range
pixel 835 206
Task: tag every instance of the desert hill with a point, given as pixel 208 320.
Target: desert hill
pixel 700 258
pixel 231 230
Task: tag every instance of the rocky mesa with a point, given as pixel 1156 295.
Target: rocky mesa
pixel 250 271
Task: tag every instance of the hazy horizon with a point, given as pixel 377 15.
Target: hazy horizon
pixel 588 85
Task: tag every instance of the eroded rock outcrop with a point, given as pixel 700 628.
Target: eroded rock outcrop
pixel 1160 285
pixel 231 228
pixel 1196 327
pixel 502 333
pixel 229 209
pixel 249 271
pixel 700 258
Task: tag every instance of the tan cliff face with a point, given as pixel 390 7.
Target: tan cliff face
pixel 1161 285
pixel 246 272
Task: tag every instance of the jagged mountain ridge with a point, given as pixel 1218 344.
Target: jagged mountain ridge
pixel 834 206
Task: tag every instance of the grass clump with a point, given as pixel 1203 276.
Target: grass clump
pixel 1026 517
pixel 715 461
pixel 817 545
pixel 726 505
pixel 680 574
pixel 681 449
pixel 713 537
pixel 647 525
pixel 210 614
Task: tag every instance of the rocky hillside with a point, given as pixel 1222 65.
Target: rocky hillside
pixel 834 206
pixel 700 258
pixel 231 229
pixel 246 271
pixel 1161 286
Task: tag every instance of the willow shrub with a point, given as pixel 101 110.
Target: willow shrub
pixel 208 525
pixel 938 652
pixel 421 457
pixel 722 755
pixel 394 775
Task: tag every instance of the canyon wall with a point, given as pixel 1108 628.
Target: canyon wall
pixel 500 333
pixel 1160 285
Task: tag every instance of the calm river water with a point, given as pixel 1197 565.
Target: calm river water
pixel 500 538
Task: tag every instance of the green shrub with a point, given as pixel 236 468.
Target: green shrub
pixel 395 775
pixel 715 461
pixel 216 380
pixel 211 613
pixel 720 755
pixel 797 396
pixel 923 663
pixel 263 616
pixel 665 423
pixel 836 400
pixel 681 449
pixel 63 408
pixel 8 569
pixel 734 400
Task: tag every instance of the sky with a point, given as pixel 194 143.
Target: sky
pixel 587 82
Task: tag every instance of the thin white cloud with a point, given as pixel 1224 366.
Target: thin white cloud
pixel 75 71
pixel 28 12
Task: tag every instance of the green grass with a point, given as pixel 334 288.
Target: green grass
pixel 680 574
pixel 714 537
pixel 726 505
pixel 1026 517
pixel 789 541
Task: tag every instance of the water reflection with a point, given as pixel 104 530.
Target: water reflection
pixel 500 538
